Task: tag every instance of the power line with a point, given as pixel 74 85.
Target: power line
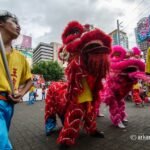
pixel 139 16
pixel 139 4
pixel 143 12
pixel 133 10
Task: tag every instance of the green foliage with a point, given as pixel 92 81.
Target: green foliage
pixel 50 70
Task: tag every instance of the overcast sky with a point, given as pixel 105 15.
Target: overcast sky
pixel 45 20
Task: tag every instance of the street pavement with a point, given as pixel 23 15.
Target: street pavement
pixel 27 130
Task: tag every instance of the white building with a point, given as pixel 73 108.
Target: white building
pixel 46 52
pixel 55 47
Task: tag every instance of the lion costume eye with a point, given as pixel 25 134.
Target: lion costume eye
pixel 72 31
pixel 63 54
pixel 118 53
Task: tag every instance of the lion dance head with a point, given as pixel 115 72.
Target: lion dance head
pixel 86 51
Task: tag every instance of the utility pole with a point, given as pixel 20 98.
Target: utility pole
pixel 118 32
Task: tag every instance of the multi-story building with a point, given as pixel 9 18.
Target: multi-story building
pixel 46 52
pixel 142 34
pixel 55 47
pixel 123 38
pixel 43 51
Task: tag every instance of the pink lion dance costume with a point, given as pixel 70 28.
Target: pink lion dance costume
pixel 119 82
pixel 86 51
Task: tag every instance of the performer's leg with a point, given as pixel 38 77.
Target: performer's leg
pixel 98 109
pixel 50 114
pixel 55 103
pixel 50 125
pixel 122 108
pixel 97 106
pixel 115 114
pixel 90 123
pixel 136 97
pixel 73 119
pixel 6 113
pixel 62 118
pixel 30 98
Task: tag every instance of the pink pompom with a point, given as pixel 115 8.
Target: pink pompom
pixel 136 51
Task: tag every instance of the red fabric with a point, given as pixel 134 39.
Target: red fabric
pixel 88 52
pixel 136 96
pixel 73 121
pixel 56 100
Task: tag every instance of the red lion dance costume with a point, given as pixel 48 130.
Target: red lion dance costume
pixel 123 74
pixel 86 51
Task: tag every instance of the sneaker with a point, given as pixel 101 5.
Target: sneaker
pixel 125 120
pixel 121 125
pixel 55 129
pixel 100 115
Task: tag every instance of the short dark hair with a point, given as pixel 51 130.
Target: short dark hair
pixel 4 15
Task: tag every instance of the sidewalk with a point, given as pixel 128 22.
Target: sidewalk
pixel 27 131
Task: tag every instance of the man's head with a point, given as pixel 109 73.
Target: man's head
pixel 9 25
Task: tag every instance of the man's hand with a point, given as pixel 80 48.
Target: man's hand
pixel 16 98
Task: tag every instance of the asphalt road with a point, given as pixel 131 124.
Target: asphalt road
pixel 27 131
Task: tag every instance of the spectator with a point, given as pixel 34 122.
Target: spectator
pixel 31 95
pixel 43 92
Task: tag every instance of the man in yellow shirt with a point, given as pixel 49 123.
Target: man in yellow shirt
pixel 20 73
pixel 136 93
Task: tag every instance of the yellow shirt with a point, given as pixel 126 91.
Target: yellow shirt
pixel 32 89
pixel 137 86
pixel 147 69
pixel 19 70
pixel 148 94
pixel 86 95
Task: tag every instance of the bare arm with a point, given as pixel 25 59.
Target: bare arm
pixel 18 97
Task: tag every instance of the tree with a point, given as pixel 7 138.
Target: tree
pixel 50 70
